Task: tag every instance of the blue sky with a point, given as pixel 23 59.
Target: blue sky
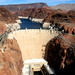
pixel 49 2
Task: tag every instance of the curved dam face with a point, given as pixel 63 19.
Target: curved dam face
pixel 32 42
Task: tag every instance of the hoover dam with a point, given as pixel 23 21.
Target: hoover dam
pixel 32 42
pixel 37 41
pixel 33 39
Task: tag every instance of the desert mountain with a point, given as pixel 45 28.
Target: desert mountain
pixel 64 6
pixel 6 16
pixel 17 7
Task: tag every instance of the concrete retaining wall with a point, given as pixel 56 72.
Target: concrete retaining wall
pixel 37 20
pixel 46 25
pixel 18 21
pixel 22 17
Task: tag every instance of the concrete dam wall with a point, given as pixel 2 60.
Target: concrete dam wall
pixel 32 42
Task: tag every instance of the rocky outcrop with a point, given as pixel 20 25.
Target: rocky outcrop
pixel 40 12
pixel 56 16
pixel 59 16
pixel 10 58
pixel 6 16
pixel 24 13
pixel 71 14
pixel 69 28
pixel 60 54
pixel 3 28
pixel 62 20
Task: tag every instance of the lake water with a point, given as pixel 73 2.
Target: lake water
pixel 29 24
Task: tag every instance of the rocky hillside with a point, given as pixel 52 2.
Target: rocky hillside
pixel 64 7
pixel 6 16
pixel 56 16
pixel 60 54
pixel 10 55
pixel 3 28
pixel 62 20
pixel 40 13
pixel 25 12
pixel 35 12
pixel 10 58
pixel 20 7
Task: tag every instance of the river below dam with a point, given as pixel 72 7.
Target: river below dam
pixel 26 23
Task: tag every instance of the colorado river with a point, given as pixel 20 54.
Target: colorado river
pixel 29 24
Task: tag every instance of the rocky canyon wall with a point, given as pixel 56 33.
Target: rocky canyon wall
pixel 10 58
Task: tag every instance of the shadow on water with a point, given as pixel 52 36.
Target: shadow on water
pixel 26 23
